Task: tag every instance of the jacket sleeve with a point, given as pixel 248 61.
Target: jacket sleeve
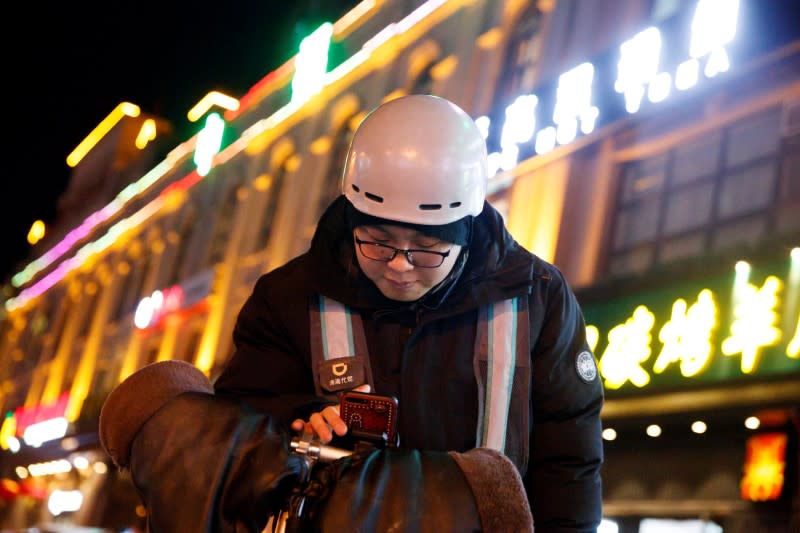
pixel 266 369
pixel 563 478
pixel 198 462
pixel 204 463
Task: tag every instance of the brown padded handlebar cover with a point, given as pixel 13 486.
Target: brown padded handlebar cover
pixel 139 397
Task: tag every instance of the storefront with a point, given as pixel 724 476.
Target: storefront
pixel 57 474
pixel 702 378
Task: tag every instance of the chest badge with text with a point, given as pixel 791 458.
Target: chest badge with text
pixel 340 374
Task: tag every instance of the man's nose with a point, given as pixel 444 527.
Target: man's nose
pixel 400 263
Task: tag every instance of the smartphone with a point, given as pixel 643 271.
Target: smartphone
pixel 370 417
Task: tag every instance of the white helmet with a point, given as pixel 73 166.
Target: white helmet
pixel 418 159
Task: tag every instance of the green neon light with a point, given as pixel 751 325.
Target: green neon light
pixel 311 64
pixel 209 141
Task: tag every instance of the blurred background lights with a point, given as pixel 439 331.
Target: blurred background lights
pixel 100 467
pixel 36 233
pixel 125 109
pixel 311 63
pixel 80 462
pixel 699 427
pixel 574 103
pixel 638 66
pixel 653 430
pixel 483 122
pixel 146 134
pixel 213 98
pixel 21 472
pixel 796 254
pixel 61 501
pixel 752 422
pixel 742 268
pixel 44 431
pixel 608 526
pixel 609 434
pixel 687 74
pixel 713 26
pixel 13 444
pixel 545 140
pixel 209 141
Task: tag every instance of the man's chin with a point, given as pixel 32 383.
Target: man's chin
pixel 401 295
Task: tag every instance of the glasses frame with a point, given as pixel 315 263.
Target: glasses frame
pixel 407 252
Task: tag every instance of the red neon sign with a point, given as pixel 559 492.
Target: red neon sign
pixel 27 416
pixel 764 467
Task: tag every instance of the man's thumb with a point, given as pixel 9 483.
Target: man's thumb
pixel 363 388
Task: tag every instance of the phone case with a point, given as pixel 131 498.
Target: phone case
pixel 370 416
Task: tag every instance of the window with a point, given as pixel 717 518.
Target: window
pixel 192 344
pixel 134 288
pixel 423 83
pixel 184 238
pixel 87 305
pixel 223 225
pixel 271 205
pixel 333 177
pixel 725 189
pixel 523 54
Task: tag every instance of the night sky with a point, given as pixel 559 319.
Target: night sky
pixel 71 63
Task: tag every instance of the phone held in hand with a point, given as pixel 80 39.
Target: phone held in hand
pixel 370 417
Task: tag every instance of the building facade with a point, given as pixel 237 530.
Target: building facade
pixel 650 149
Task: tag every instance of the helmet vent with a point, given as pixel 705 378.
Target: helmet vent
pixel 455 204
pixel 355 187
pixel 374 197
pixel 430 207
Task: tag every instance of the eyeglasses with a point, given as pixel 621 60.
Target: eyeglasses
pixel 385 253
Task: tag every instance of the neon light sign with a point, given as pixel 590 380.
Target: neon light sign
pixel 311 64
pixel 765 464
pixel 191 294
pixel 152 309
pixel 640 72
pixel 35 425
pixel 209 141
pixel 711 335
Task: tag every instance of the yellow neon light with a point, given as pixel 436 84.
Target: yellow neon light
pixel 628 347
pixel 753 327
pixel 793 350
pixel 349 21
pixel 36 232
pixel 125 109
pixel 395 37
pixel 7 431
pixel 687 335
pixel 592 337
pixel 146 134
pixel 213 98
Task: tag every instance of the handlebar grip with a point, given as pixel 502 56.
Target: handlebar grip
pixel 314 450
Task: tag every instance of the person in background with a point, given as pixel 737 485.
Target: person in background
pixel 413 288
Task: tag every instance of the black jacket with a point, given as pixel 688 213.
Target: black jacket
pixel 422 353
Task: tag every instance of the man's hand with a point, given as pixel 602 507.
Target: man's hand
pixel 326 422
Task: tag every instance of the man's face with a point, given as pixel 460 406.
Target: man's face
pixel 398 279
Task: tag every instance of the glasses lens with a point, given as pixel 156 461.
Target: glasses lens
pixel 425 259
pixel 378 252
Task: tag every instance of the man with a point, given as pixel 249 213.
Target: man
pixel 413 288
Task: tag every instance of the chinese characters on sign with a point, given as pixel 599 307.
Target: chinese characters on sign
pixel 687 336
pixel 639 74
